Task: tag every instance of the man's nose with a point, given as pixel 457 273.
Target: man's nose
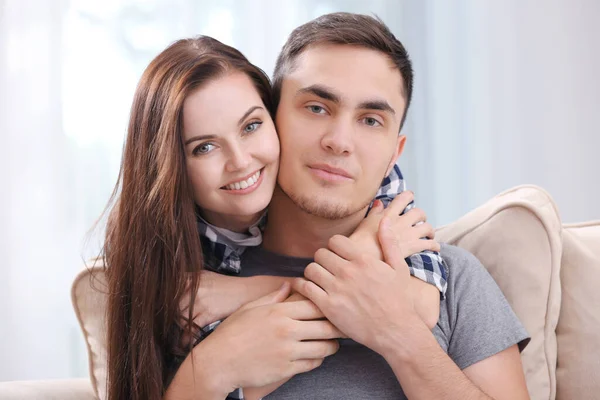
pixel 339 137
pixel 239 158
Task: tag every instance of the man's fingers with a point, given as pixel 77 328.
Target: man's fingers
pixel 321 276
pixel 315 349
pixel 310 290
pixel 330 261
pixel 343 247
pixel 277 296
pixel 392 253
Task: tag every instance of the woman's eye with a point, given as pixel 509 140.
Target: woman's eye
pixel 316 109
pixel 251 127
pixel 204 148
pixel 370 121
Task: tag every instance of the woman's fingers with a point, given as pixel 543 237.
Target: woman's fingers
pixel 277 296
pixel 414 216
pixel 420 245
pixel 303 310
pixel 425 230
pixel 400 202
pixel 316 330
pixel 315 349
pixel 302 366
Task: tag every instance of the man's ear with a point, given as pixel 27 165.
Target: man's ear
pixel 397 153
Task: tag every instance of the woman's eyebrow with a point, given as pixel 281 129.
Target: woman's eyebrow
pixel 200 137
pixel 250 111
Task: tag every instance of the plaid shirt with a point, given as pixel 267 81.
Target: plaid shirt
pixel 223 250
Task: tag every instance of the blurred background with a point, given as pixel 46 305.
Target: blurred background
pixel 507 93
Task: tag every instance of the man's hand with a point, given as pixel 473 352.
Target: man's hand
pixel 364 297
pixel 409 230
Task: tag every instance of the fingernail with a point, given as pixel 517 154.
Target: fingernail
pixel 375 205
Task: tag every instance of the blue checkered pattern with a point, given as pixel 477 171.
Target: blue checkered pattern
pixel 223 255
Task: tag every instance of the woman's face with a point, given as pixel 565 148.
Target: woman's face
pixel 231 150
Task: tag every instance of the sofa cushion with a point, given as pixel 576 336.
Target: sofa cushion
pixel 89 297
pixel 517 237
pixel 59 389
pixel 578 331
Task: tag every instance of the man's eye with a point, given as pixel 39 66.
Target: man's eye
pixel 369 121
pixel 316 109
pixel 251 127
pixel 204 148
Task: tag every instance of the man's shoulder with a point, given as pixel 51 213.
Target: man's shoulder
pixel 464 269
pixel 459 259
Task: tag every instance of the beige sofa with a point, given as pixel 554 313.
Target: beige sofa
pixel 550 273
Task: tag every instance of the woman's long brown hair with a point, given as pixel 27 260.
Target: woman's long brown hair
pixel 152 250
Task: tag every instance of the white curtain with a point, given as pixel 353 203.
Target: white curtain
pixel 505 94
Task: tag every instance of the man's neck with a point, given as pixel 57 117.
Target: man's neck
pixel 292 232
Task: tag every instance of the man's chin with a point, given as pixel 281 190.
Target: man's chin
pixel 326 208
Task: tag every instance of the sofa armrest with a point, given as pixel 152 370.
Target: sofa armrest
pixel 59 389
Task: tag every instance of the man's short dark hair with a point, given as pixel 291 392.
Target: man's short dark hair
pixel 344 28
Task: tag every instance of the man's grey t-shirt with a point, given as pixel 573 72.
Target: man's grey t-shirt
pixel 475 323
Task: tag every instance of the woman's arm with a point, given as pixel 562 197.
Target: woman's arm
pixel 265 341
pixel 194 381
pixel 220 295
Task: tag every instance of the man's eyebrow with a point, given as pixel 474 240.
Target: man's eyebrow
pixel 323 92
pixel 381 105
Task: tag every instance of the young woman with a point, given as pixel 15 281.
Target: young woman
pixel 198 171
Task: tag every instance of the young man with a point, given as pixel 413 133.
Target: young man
pixel 344 84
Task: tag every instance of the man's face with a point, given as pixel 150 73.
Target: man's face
pixel 338 121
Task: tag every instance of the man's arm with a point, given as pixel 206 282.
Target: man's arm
pixel 349 287
pixel 418 365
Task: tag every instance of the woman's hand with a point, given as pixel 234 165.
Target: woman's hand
pixel 219 296
pixel 268 341
pixel 256 393
pixel 409 229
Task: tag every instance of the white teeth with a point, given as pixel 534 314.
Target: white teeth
pixel 244 184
